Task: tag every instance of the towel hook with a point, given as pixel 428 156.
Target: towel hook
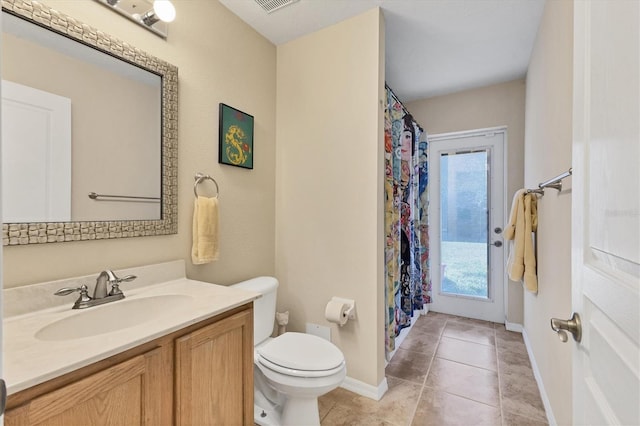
pixel 199 177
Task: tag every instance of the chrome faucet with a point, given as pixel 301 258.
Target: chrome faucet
pixel 100 290
pixel 100 295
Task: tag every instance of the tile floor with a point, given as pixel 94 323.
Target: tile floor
pixel 448 371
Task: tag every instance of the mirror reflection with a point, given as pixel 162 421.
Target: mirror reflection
pixel 76 121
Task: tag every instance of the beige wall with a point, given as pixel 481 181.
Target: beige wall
pixel 548 153
pixel 220 59
pixel 329 184
pixel 491 106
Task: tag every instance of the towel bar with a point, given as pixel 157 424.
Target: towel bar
pixel 199 177
pixel 97 197
pixel 555 183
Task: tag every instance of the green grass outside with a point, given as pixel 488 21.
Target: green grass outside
pixel 464 267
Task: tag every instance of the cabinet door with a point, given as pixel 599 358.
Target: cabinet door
pixel 119 395
pixel 214 373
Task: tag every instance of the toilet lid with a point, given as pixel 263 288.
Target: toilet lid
pixel 300 351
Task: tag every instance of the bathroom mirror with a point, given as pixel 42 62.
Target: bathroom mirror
pixel 83 113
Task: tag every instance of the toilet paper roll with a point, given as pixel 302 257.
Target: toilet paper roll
pixel 336 312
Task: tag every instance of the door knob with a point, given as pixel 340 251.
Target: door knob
pixel 573 326
pixel 497 243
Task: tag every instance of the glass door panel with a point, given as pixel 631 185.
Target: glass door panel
pixel 464 199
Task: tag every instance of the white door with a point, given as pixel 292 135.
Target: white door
pixel 606 212
pixel 3 392
pixel 36 152
pixel 466 218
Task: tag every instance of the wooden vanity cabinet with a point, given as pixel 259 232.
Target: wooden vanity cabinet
pixel 213 373
pixel 201 375
pixel 121 394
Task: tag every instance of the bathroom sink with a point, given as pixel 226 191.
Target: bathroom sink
pixel 113 317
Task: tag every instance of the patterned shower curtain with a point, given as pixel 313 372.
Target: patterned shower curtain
pixel 407 280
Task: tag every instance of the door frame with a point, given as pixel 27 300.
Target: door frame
pixel 433 208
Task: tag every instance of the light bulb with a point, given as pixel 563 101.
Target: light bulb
pixel 164 10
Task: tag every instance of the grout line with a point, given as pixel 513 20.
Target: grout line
pixel 467 365
pixel 498 372
pixel 471 365
pixel 447 391
pixel 468 341
pixel 328 411
pixel 431 362
pixel 499 378
pixel 426 376
pixel 536 420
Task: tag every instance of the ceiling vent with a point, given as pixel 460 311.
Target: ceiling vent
pixel 271 6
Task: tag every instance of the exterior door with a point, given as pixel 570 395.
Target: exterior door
pixel 466 219
pixel 606 212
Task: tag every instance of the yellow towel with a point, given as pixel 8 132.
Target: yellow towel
pixel 522 223
pixel 205 230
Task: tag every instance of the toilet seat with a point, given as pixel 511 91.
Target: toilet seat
pixel 301 355
pixel 298 373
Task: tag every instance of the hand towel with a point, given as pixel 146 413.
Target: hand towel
pixel 530 227
pixel 523 221
pixel 205 230
pixel 515 232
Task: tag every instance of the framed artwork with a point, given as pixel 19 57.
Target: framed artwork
pixel 235 145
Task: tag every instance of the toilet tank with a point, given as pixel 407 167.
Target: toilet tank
pixel 264 308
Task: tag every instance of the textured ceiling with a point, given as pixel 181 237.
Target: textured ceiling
pixel 433 47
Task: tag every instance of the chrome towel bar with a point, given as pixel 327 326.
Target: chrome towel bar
pixel 555 183
pixel 97 197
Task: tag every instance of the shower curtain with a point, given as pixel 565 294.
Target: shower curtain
pixel 407 281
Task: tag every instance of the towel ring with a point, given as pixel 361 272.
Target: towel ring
pixel 199 177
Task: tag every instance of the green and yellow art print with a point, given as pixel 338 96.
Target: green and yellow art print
pixel 236 137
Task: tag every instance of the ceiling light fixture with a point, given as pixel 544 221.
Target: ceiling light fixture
pixel 156 18
pixel 163 10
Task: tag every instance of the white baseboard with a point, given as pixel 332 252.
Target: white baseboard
pixel 513 326
pixel 363 389
pixel 536 373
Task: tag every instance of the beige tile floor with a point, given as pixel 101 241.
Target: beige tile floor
pixel 448 371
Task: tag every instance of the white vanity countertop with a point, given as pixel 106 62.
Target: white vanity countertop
pixel 29 360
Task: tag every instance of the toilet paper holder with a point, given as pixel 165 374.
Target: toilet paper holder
pixel 349 313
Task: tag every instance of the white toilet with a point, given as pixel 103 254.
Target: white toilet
pixel 290 371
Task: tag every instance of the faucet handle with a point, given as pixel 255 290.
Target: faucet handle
pixel 84 295
pixel 127 278
pixel 115 285
pixel 83 290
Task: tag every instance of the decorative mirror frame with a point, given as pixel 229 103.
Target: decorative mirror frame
pixel 54 232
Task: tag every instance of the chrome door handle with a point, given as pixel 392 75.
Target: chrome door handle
pixel 497 243
pixel 573 326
